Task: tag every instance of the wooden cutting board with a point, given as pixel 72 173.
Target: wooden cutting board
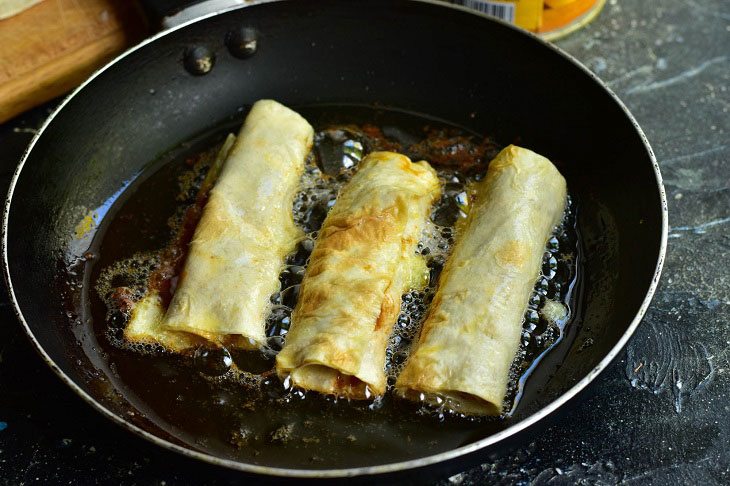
pixel 53 46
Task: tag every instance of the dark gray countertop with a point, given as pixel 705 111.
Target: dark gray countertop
pixel 661 414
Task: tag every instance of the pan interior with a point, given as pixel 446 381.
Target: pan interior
pixel 264 424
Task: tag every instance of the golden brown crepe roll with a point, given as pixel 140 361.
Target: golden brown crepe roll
pixel 362 263
pixel 472 331
pixel 245 232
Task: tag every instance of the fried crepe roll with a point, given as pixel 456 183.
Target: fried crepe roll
pixel 245 232
pixel 472 331
pixel 145 316
pixel 363 261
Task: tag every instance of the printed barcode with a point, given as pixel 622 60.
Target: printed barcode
pixel 504 11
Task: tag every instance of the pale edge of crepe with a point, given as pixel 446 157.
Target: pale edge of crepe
pixel 363 261
pixel 248 208
pixel 144 324
pixel 472 330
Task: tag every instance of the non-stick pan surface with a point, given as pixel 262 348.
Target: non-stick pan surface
pixel 415 56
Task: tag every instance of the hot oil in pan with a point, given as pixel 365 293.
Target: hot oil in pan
pixel 250 416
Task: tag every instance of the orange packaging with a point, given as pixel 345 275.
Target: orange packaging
pixel 550 19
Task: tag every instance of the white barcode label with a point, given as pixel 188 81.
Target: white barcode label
pixel 504 11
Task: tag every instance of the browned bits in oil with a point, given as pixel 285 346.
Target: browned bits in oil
pixel 378 141
pixel 126 281
pixel 240 437
pixel 282 434
pixel 123 299
pixel 450 148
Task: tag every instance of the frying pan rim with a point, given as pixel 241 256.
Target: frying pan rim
pixel 366 470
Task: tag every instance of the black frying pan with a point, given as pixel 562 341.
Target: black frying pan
pixel 416 56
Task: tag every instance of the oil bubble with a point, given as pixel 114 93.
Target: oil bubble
pixel 212 361
pixel 302 252
pixel 278 321
pixel 337 150
pixel 289 296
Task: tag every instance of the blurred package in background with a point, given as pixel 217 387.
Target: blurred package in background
pixel 550 19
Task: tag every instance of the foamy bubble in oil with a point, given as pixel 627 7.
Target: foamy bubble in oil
pixel 133 273
pixel 336 150
pixel 174 221
pixel 453 204
pixel 212 361
pixel 235 378
pixel 278 319
pixel 329 166
pixel 539 334
pixel 189 181
pixel 314 199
